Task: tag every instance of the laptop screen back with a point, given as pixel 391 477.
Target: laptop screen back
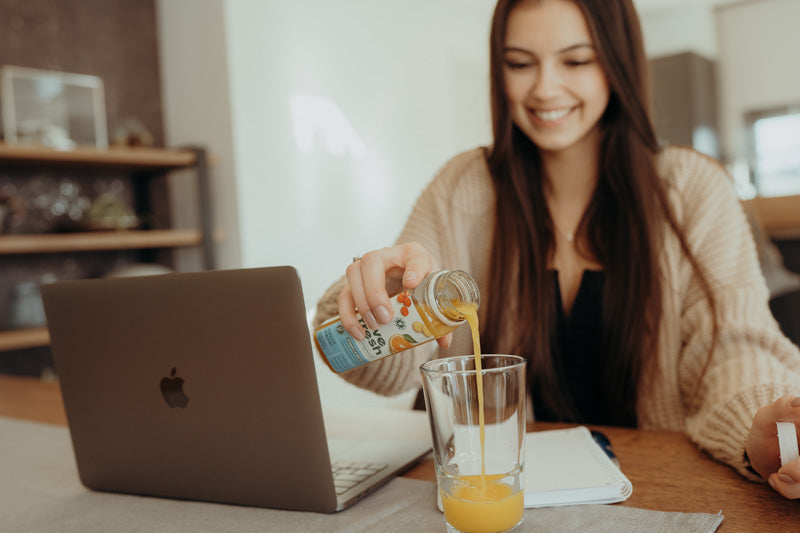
pixel 196 386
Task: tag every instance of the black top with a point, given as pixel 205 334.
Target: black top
pixel 576 350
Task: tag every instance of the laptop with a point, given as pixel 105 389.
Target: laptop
pixel 202 386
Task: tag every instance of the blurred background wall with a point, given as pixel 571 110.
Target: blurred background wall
pixel 325 120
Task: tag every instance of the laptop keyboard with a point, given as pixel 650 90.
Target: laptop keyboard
pixel 346 474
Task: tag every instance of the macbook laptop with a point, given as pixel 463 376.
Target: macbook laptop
pixel 202 386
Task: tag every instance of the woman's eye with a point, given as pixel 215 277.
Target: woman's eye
pixel 577 62
pixel 516 65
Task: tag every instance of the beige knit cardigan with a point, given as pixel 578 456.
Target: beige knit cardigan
pixel 753 363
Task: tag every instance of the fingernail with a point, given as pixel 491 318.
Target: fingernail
pixel 383 314
pixel 357 332
pixel 369 318
pixel 785 478
pixel 410 275
pixel 796 402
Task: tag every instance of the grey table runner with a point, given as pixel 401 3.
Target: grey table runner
pixel 40 492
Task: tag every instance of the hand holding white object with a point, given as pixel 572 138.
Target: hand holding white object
pixel 764 451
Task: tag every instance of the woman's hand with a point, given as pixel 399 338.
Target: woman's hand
pixel 762 446
pixel 365 292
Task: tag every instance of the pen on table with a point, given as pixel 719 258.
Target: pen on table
pixel 605 444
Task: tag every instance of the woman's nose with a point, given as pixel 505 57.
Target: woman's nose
pixel 547 82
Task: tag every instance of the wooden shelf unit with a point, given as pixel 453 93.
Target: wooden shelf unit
pixel 142 162
pixel 123 158
pixel 100 240
pixel 20 339
pixel 779 215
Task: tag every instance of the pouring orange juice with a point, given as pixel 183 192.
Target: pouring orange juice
pixel 481 504
pixel 475 500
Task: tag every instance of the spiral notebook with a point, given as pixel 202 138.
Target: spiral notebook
pixel 567 467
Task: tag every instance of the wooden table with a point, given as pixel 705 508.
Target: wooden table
pixel 668 472
pixel 31 399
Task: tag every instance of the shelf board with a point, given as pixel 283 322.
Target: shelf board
pixel 23 338
pixel 98 240
pixel 123 158
pixel 778 215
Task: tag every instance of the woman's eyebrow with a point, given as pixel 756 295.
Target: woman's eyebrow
pixel 563 50
pixel 517 49
pixel 575 47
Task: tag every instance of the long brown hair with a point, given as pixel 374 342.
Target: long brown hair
pixel 623 225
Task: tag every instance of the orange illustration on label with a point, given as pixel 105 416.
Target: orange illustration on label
pixel 398 343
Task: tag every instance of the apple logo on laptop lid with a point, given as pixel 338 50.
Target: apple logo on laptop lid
pixel 172 390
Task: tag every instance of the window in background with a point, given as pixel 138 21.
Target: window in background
pixel 775 148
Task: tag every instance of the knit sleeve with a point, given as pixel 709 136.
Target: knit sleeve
pixel 752 363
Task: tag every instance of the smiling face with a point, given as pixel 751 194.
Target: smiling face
pixel 555 86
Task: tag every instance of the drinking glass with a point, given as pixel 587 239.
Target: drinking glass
pixel 479 475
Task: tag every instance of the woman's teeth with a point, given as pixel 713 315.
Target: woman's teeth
pixel 553 115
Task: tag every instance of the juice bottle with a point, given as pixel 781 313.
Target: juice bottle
pixel 430 311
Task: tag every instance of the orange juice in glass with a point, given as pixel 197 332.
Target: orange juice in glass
pixel 477 445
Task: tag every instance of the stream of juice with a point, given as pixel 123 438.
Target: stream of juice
pixel 471 314
pixel 481 504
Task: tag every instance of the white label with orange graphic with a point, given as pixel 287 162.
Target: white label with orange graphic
pixel 405 331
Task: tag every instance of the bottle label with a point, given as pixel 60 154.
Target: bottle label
pixel 405 331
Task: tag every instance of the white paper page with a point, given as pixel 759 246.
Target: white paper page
pixel 566 466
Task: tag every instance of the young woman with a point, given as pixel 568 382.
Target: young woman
pixel 624 272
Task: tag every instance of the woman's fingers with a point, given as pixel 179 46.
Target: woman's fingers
pixel 445 341
pixel 762 443
pixel 784 409
pixel 367 280
pixel 374 269
pixel 417 262
pixel 355 283
pixel 347 314
pixel 787 480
